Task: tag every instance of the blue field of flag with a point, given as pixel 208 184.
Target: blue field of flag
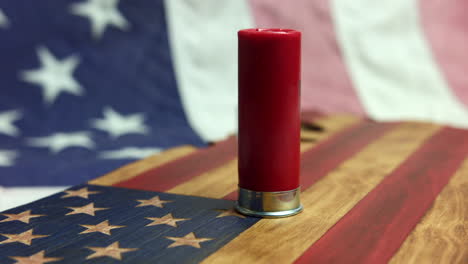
pixel 104 224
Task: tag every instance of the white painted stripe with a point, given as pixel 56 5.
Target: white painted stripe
pixel 391 64
pixel 203 40
pixel 12 197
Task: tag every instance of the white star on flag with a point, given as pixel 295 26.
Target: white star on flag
pixel 117 125
pixel 4 23
pixel 7 157
pixel 7 118
pixel 60 141
pixel 129 153
pixel 54 76
pixel 101 13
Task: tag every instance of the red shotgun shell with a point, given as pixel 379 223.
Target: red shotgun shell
pixel 269 122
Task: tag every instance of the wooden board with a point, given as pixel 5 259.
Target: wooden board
pixel 368 193
pixel 372 193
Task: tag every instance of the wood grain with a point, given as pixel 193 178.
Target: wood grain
pixel 283 240
pixel 442 235
pixel 132 169
pixel 171 174
pixel 385 216
pixel 318 161
pixel 225 178
pixel 213 184
pixel 332 125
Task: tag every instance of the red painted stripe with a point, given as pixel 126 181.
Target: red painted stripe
pixel 320 160
pixel 232 196
pixel 326 156
pixel 181 170
pixel 311 116
pixel 377 226
pixel 178 171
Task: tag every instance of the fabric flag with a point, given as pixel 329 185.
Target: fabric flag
pixel 90 85
pixel 87 86
pixel 372 193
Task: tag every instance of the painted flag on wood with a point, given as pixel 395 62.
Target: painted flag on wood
pixel 101 224
pixel 373 193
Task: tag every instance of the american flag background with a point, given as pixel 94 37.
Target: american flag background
pixel 88 86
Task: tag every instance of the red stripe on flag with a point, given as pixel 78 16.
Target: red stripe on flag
pixel 445 22
pixel 319 43
pixel 320 160
pixel 232 196
pixel 377 226
pixel 178 171
pixel 327 155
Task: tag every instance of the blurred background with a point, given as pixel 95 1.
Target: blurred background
pixel 87 86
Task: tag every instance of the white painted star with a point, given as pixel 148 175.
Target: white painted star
pixel 38 258
pixel 7 157
pixel 7 118
pixel 101 13
pixel 54 76
pixel 116 124
pixel 4 22
pixel 188 240
pixel 60 141
pixel 129 153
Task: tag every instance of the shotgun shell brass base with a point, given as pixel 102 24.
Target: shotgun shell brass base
pixel 269 204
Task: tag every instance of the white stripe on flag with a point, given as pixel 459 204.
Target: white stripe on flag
pixel 203 39
pixel 391 63
pixel 16 196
